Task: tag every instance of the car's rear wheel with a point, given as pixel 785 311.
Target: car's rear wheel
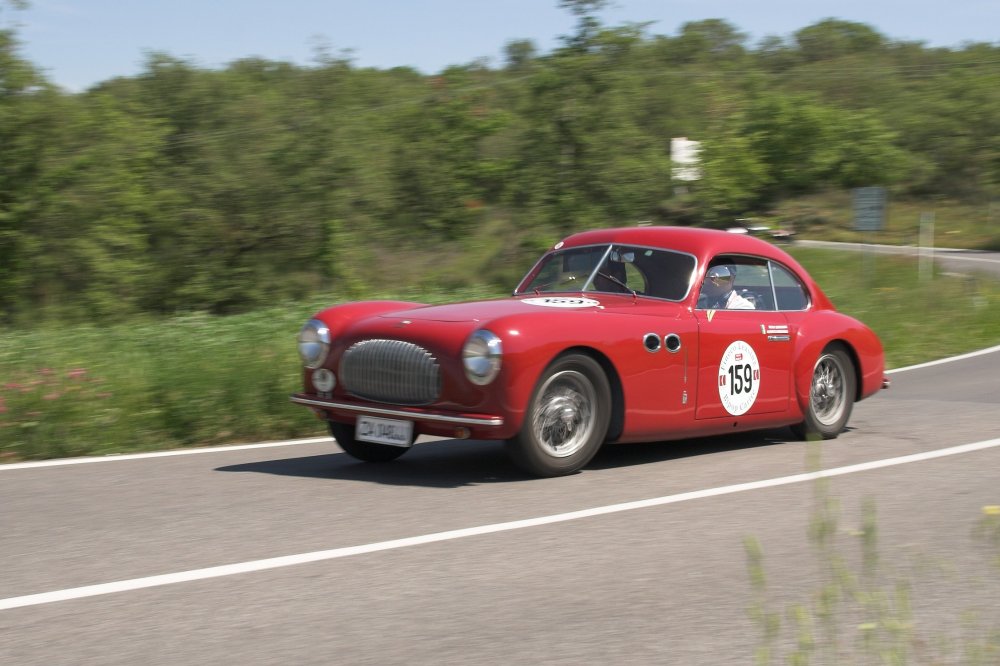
pixel 567 418
pixel 831 395
pixel 366 451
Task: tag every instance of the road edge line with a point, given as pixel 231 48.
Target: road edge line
pixel 114 457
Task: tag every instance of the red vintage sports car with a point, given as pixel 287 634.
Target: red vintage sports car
pixel 617 335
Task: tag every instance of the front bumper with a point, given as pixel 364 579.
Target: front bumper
pixel 414 414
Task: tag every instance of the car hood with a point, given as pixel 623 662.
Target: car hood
pixel 478 311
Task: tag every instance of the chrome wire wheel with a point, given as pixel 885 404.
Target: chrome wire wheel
pixel 831 396
pixel 828 394
pixel 564 416
pixel 566 419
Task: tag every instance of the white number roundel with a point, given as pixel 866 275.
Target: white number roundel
pixel 562 302
pixel 739 378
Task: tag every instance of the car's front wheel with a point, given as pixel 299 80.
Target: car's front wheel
pixel 831 395
pixel 366 451
pixel 567 418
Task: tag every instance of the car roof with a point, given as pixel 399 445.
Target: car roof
pixel 702 243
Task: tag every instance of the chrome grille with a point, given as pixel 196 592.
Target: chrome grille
pixel 392 371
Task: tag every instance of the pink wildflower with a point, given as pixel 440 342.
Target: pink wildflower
pixel 52 396
pixel 77 373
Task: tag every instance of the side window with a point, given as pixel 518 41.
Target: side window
pixel 789 291
pixel 754 283
pixel 747 277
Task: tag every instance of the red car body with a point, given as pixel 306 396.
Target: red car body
pixel 670 363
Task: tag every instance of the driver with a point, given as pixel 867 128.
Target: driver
pixel 718 290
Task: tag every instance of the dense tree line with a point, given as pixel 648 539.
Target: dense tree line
pixel 186 188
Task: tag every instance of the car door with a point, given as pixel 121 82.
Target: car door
pixel 745 356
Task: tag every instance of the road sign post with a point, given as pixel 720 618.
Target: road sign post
pixel 869 208
pixel 869 217
pixel 926 246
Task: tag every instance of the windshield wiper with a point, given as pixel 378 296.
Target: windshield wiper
pixel 612 278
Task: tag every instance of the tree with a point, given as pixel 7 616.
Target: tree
pixel 735 174
pixel 519 53
pixel 588 25
pixel 807 145
pixel 833 38
pixel 438 167
pixel 711 40
pixel 26 122
pixel 88 234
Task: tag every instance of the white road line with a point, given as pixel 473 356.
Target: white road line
pixel 58 462
pixel 950 359
pixel 336 553
pixel 961 257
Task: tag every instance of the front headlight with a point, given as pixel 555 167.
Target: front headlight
pixel 481 357
pixel 314 343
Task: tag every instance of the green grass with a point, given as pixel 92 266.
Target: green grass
pixel 830 216
pixel 199 380
pixel 148 385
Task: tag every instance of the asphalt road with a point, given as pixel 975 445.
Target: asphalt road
pixel 660 582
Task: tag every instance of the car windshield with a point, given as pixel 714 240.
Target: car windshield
pixel 622 269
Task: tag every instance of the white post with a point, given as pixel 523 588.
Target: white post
pixel 926 245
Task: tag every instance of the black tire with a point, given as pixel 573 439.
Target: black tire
pixel 832 389
pixel 365 451
pixel 567 418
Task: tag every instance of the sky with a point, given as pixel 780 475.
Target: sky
pixel 77 43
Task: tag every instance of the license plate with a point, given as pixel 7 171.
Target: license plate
pixel 384 431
